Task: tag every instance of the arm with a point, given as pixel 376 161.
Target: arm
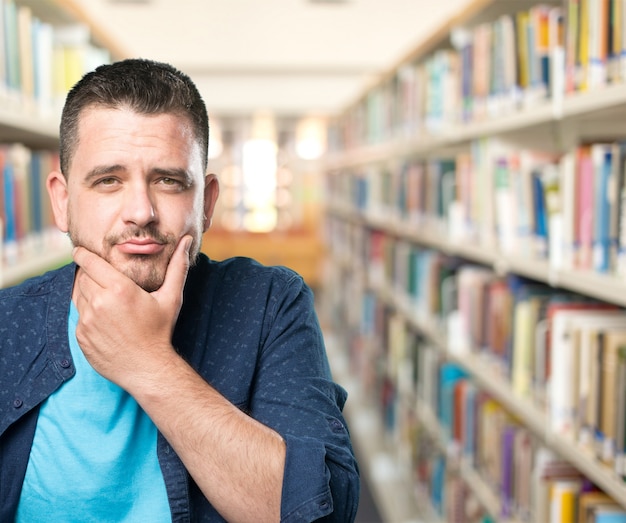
pixel 294 393
pixel 125 334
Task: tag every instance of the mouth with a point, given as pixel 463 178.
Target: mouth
pixel 135 246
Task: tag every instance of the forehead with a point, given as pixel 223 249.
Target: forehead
pixel 127 139
pixel 126 118
pixel 113 131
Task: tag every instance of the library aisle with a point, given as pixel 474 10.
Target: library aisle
pixel 476 227
pixel 386 494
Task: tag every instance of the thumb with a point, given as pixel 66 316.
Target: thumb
pixel 177 270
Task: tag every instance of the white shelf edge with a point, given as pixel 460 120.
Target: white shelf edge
pixel 572 107
pixel 604 287
pixel 34 264
pixel 25 118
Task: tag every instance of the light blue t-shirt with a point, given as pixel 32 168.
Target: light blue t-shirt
pixel 94 455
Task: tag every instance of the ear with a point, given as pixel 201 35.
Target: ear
pixel 57 191
pixel 211 192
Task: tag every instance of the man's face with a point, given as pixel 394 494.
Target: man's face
pixel 136 186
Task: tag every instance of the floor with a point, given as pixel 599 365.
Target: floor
pixel 368 511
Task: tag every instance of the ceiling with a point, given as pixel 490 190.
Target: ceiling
pixel 291 57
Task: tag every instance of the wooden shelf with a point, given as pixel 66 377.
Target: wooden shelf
pixel 36 262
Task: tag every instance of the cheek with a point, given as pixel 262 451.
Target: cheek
pixel 88 217
pixel 194 217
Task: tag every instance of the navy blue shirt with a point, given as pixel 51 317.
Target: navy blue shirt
pixel 250 331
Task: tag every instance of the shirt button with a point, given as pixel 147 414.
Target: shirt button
pixel 336 425
pixel 65 363
pixel 17 403
pixel 324 504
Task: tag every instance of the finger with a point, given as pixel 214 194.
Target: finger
pixel 98 269
pixel 177 270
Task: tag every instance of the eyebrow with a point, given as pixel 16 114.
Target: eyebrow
pixel 102 170
pixel 181 174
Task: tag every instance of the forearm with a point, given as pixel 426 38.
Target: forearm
pixel 237 462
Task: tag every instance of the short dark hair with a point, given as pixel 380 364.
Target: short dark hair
pixel 144 86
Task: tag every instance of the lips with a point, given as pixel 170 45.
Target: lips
pixel 141 246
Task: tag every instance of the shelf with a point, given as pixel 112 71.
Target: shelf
pixel 525 154
pixel 602 104
pixel 485 494
pixel 18 124
pixel 535 420
pixel 37 262
pixel 487 374
pixel 600 286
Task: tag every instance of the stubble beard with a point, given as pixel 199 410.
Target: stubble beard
pixel 147 271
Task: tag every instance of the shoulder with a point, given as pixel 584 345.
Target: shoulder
pixel 242 270
pixel 50 283
pixel 241 282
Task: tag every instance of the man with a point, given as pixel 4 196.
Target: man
pixel 135 388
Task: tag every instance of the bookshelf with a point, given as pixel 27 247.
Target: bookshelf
pixel 47 45
pixel 469 204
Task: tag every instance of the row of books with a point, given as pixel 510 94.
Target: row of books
pixel 568 209
pixel 493 68
pixel 461 441
pixel 25 211
pixel 562 351
pixel 529 482
pixel 39 62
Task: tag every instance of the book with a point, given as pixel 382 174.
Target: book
pixel 614 38
pixel 598 24
pixel 590 501
pixel 585 208
pixel 563 500
pixel 563 401
pixel 611 395
pixel 567 190
pixel 449 375
pixel 507 476
pixel 620 414
pixel 548 502
pixel 505 207
pixel 529 308
pixel 523 468
pixel 556 49
pixel 472 284
pixel 602 159
pixel 43 59
pixel 539 26
pixel 617 194
pixel 523 59
pixel 571 46
pixel 582 55
pixel 11 46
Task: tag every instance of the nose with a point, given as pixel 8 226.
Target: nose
pixel 139 207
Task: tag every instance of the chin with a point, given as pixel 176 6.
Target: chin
pixel 148 274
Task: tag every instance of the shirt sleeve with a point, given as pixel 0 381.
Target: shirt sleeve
pixel 295 395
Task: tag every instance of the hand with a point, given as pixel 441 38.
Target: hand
pixel 124 331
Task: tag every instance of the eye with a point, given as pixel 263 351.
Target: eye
pixel 171 183
pixel 106 183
